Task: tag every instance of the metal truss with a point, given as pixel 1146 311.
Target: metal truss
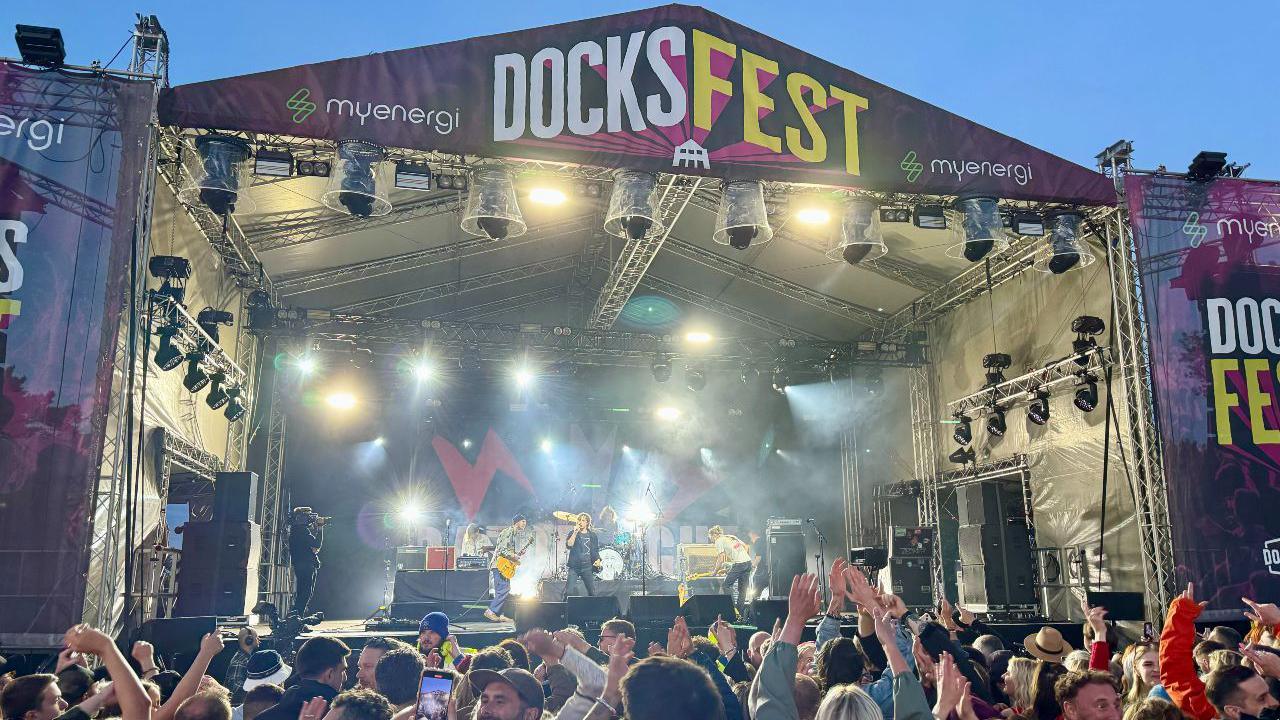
pixel 1133 359
pixel 507 304
pixel 420 259
pixel 311 225
pixel 580 283
pixel 274 578
pixel 48 94
pixel 984 471
pixel 165 310
pixel 396 301
pixel 729 310
pixel 247 357
pixel 637 255
pixel 924 455
pixel 239 260
pixel 1067 372
pixel 73 201
pixel 794 291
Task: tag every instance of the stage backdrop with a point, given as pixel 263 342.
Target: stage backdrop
pixel 674 89
pixel 70 156
pixel 1210 259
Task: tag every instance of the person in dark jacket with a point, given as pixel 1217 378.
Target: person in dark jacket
pixel 322 668
pixel 306 535
pixel 584 555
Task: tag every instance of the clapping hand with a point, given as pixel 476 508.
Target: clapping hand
pixel 679 643
pixel 950 684
pixel 858 589
pixel 726 636
pixel 313 709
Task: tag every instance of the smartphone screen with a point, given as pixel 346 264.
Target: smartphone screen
pixel 433 694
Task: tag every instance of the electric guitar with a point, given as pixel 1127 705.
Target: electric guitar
pixel 507 565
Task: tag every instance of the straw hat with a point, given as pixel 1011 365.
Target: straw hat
pixel 1048 645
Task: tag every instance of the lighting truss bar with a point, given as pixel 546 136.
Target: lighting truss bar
pixel 507 304
pixel 194 336
pixel 419 259
pixel 795 291
pixel 396 301
pixel 720 307
pixel 190 458
pixel 239 260
pixel 1002 467
pixel 637 255
pixel 73 201
pixel 304 227
pixel 46 94
pixel 1059 373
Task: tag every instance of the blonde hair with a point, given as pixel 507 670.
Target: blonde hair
pixel 848 702
pixel 1023 671
pixel 715 530
pixel 1135 688
pixel 1077 660
pixel 1219 659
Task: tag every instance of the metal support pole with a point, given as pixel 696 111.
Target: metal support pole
pixel 924 451
pixel 273 567
pixel 246 357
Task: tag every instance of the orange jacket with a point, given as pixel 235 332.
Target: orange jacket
pixel 1178 666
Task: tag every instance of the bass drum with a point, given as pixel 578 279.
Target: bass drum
pixel 611 565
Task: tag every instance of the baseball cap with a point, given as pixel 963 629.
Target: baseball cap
pixel 526 685
pixel 265 666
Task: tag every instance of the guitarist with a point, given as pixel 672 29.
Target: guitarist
pixel 511 544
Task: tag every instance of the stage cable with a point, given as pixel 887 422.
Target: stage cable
pixel 129 378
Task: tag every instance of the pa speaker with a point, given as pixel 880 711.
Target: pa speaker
pixel 218 573
pixel 235 497
pixel 786 559
pixel 1119 605
pixel 912 580
pixel 765 612
pixel 702 610
pixel 171 636
pixel 549 616
pixel 654 611
pixel 589 613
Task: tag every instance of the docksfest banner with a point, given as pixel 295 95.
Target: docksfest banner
pixel 675 89
pixel 1210 257
pixel 71 154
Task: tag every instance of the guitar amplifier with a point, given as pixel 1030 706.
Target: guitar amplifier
pixel 915 542
pixel 411 557
pixel 440 557
pixel 695 559
pixel 473 562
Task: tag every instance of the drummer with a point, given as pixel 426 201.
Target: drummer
pixel 584 555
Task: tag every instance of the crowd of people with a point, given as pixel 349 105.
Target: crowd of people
pixel 897 664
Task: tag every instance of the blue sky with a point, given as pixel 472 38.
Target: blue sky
pixel 1174 76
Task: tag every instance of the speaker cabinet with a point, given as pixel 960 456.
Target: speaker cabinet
pixel 786 559
pixel 547 615
pixel 702 610
pixel 235 497
pixel 654 611
pixel 589 613
pixel 218 573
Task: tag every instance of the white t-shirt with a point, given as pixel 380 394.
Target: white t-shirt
pixel 735 551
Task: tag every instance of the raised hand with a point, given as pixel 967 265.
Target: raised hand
pixel 1263 613
pixel 1097 619
pixel 1190 594
pixel 947 614
pixel 84 639
pixel 433 659
pixel 144 653
pixel 924 663
pixel 573 640
pixel 679 643
pixel 656 649
pixel 950 684
pixel 836 581
pixel 67 658
pixel 620 656
pixel 211 644
pixel 884 627
pixel 966 615
pixel 858 589
pixel 894 605
pixel 543 644
pixel 965 709
pixel 1265 663
pixel 726 637
pixel 803 602
pixel 313 709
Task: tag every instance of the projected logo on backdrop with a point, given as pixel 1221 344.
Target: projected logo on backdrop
pixel 471 481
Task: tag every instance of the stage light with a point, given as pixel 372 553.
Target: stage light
pixel 314 167
pixel 209 319
pixel 633 205
pixel 1027 223
pixel 524 378
pixel 424 371
pixel 859 237
pixel 697 337
pixel 1064 249
pixel 780 380
pixel 1087 397
pixel 545 445
pixel 1206 166
pixel 196 377
pixel 640 514
pixel 995 423
pixel 217 396
pixel 174 271
pixel 626 448
pixel 340 400
pixel 1085 327
pixel 273 163
pixel 466 444
pixel 493 211
pixel 963 433
pixel 813 215
pixel 983 229
pixel 359 187
pixel 1038 411
pixel 695 378
pixel 223 172
pixel 743 218
pixel 451 182
pixel 235 408
pixel 661 369
pixel 410 514
pixel 892 214
pixel 306 364
pixel 169 355
pixel 40 45
pixel 379 441
pixel 929 217
pixel 962 455
pixel 547 196
pixel 666 412
pixel 413 176
pixel 995 365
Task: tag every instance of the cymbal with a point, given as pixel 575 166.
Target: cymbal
pixel 565 516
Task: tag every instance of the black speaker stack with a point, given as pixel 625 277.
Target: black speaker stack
pixel 218 573
pixel 997 561
pixel 910 565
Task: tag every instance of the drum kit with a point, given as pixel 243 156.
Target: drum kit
pixel 619 552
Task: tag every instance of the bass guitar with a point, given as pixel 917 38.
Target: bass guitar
pixel 507 565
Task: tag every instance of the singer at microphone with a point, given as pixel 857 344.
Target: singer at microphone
pixel 306 536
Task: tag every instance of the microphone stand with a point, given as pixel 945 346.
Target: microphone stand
pixel 821 556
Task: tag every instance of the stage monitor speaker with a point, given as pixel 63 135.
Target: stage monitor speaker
pixel 589 613
pixel 702 610
pixel 172 636
pixel 654 611
pixel 765 612
pixel 786 559
pixel 1119 605
pixel 543 614
pixel 218 573
pixel 235 497
pixel 911 580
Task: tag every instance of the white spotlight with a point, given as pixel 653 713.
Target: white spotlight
pixel 306 364
pixel 410 513
pixel 666 412
pixel 524 378
pixel 379 441
pixel 466 443
pixel 545 445
pixel 547 196
pixel 340 400
pixel 423 371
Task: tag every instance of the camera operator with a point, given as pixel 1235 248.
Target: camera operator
pixel 306 535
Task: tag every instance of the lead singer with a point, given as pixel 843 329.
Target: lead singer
pixel 584 555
